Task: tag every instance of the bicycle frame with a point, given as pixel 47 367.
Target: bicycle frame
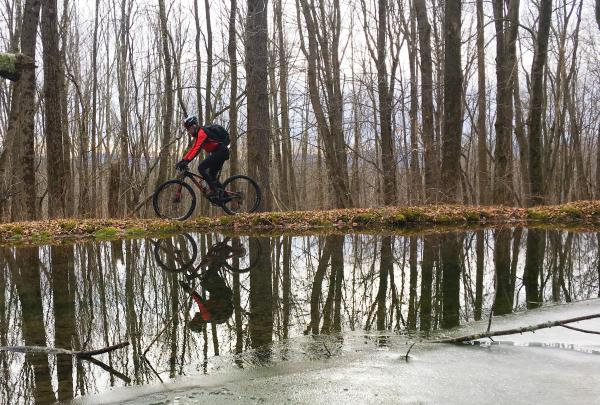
pixel 194 177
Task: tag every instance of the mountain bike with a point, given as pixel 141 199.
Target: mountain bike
pixel 176 199
pixel 178 254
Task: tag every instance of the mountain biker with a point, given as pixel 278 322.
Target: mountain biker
pixel 210 167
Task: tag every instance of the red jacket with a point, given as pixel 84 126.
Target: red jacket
pixel 202 142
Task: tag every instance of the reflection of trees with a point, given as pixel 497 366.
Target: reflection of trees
pixel 62 259
pixel 385 268
pixel 26 276
pixel 260 324
pixel 598 258
pixel 480 263
pixel 114 291
pixel 534 260
pixel 317 285
pixel 412 289
pixel 503 302
pixel 429 257
pixel 450 247
pixel 561 265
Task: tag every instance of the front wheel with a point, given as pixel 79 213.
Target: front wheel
pixel 174 199
pixel 241 195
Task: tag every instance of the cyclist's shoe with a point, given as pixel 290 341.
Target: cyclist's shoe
pixel 215 194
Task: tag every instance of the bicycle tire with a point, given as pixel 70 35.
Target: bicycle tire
pixel 180 262
pixel 249 266
pixel 172 212
pixel 244 189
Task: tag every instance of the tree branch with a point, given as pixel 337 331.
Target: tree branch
pixel 531 328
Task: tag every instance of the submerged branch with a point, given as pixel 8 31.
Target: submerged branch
pixel 56 350
pixel 530 328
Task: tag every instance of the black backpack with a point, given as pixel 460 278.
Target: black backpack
pixel 217 133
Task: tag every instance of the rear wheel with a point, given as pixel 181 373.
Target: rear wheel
pixel 241 195
pixel 174 199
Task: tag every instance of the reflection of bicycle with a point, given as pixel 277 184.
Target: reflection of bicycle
pixel 176 199
pixel 175 254
pixel 178 254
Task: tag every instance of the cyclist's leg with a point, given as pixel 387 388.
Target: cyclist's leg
pixel 220 156
pixel 205 168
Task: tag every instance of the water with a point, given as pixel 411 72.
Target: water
pixel 215 306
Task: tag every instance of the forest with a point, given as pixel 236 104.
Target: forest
pixel 329 104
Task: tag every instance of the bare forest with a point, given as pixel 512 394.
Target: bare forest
pixel 329 103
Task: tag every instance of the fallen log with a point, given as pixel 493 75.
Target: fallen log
pixel 56 350
pixel 530 328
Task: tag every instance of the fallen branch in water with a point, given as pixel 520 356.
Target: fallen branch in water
pixel 531 328
pixel 581 330
pixel 55 350
pixel 108 369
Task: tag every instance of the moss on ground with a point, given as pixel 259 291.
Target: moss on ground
pixel 107 233
pixel 581 214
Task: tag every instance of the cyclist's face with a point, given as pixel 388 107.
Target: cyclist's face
pixel 193 130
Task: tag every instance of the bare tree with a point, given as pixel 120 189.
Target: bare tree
pixel 258 148
pixel 536 104
pixel 21 124
pixel 451 135
pixel 506 36
pixel 482 151
pixel 168 89
pixel 430 163
pixel 52 111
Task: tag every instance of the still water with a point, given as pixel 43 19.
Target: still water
pixel 200 304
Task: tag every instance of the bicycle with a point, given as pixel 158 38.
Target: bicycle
pixel 178 254
pixel 176 199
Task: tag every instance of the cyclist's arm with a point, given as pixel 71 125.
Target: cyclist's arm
pixel 195 149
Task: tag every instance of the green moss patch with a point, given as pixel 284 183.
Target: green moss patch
pixel 106 233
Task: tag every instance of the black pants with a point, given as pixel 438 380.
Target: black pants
pixel 210 167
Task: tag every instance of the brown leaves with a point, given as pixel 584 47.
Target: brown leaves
pixel 340 220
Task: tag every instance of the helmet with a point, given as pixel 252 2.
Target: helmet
pixel 190 121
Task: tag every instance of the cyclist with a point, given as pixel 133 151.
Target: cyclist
pixel 210 167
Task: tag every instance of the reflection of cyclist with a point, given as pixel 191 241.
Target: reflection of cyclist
pixel 219 306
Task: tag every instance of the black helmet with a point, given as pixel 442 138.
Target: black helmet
pixel 190 121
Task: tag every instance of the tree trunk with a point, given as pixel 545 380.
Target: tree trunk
pixel 52 111
pixel 258 149
pixel 451 136
pixel 536 105
pixel 427 100
pixel 289 188
pixel 325 38
pixel 96 212
pixel 198 64
pixel 506 33
pixel 482 162
pixel 123 172
pixel 168 100
pixel 21 123
pixel 385 109
pixel 209 63
pixel 232 51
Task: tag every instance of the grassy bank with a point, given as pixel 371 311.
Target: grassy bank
pixel 579 214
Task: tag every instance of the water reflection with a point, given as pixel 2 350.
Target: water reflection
pixel 183 300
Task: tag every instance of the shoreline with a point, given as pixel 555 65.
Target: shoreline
pixel 580 215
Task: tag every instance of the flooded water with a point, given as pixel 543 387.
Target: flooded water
pixel 209 305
